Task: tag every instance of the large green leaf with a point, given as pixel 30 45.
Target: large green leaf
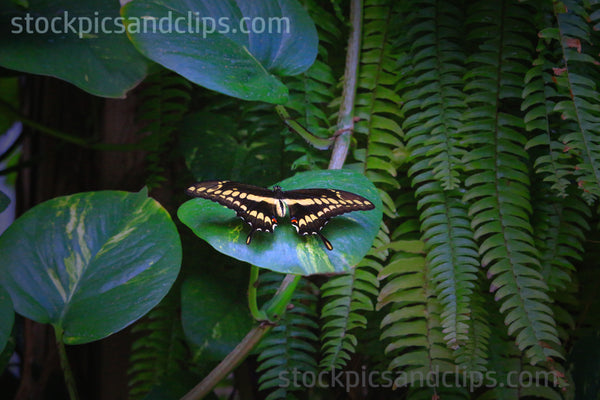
pixel 7 317
pixel 209 146
pixel 230 46
pixel 80 41
pixel 90 263
pixel 214 315
pixel 174 386
pixel 215 145
pixel 285 251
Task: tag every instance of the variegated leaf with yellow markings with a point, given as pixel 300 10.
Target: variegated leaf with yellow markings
pixel 90 263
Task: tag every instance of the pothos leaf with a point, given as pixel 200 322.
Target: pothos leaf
pixel 90 263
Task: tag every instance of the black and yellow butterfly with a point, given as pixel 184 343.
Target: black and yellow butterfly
pixel 309 209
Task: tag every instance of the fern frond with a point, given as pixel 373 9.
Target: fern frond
pixel 412 327
pixel 513 377
pixel 260 153
pixel 434 108
pixel 377 103
pixel 436 100
pixel 452 255
pixel 498 186
pixel 472 356
pixel 539 100
pixel 560 225
pixel 312 92
pixel 417 345
pixel 238 141
pixel 164 101
pixel 581 106
pixel 160 349
pixel 346 299
pixel 290 346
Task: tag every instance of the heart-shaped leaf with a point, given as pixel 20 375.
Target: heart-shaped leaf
pixel 230 46
pixel 214 145
pixel 285 251
pixel 90 263
pixel 215 318
pixel 82 42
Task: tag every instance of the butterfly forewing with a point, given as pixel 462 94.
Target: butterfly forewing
pixel 254 204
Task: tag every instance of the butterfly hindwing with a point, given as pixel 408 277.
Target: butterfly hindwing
pixel 255 205
pixel 311 209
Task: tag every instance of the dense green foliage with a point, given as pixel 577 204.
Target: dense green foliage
pixel 478 122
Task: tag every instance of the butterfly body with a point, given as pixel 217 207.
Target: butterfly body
pixel 309 209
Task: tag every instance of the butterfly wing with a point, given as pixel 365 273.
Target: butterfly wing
pixel 311 209
pixel 255 205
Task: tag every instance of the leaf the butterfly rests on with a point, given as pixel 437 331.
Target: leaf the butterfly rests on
pixel 309 209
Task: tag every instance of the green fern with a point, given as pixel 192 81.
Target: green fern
pixel 290 346
pixel 377 130
pixel 539 99
pixel 513 377
pixel 312 92
pixel 581 105
pixel 164 101
pixel 412 326
pixel 472 356
pixel 498 185
pixel 160 349
pixel 451 255
pixel 345 297
pixel 436 101
pixel 234 141
pixel 433 111
pixel 261 148
pixel 560 226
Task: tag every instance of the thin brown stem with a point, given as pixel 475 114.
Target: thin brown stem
pixel 238 354
pixel 232 360
pixel 345 123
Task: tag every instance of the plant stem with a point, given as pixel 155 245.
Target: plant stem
pixel 294 126
pixel 239 353
pixel 64 364
pixel 277 305
pixel 345 124
pixel 259 315
pixel 229 363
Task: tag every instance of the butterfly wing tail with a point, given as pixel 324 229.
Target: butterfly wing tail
pixel 326 242
pixel 249 238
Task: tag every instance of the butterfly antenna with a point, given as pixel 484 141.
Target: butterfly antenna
pixel 326 242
